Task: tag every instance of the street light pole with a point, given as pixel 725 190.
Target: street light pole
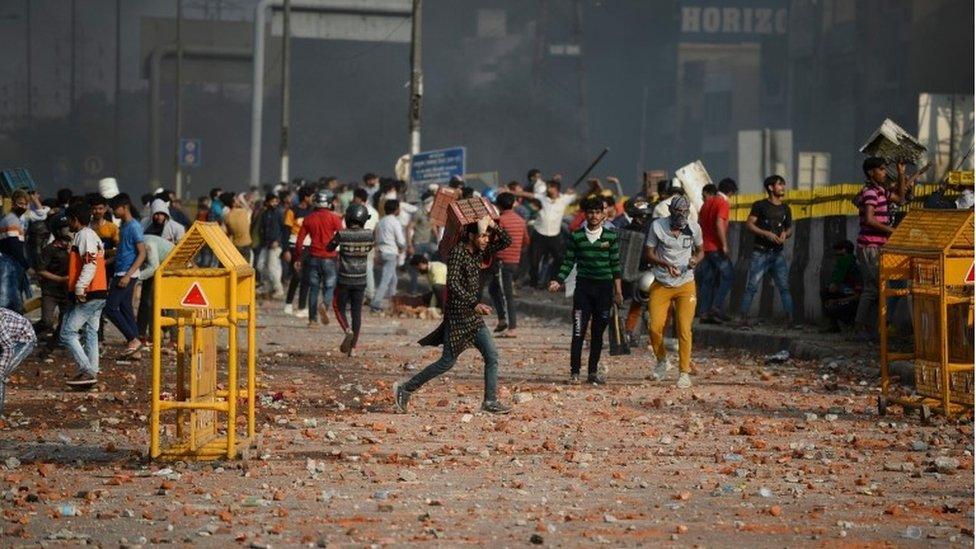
pixel 179 98
pixel 285 87
pixel 416 78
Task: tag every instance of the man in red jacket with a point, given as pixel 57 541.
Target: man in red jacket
pixel 508 264
pixel 320 226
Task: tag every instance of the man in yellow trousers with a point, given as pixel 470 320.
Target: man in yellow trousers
pixel 674 247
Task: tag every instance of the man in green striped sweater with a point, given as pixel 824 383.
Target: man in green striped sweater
pixel 595 251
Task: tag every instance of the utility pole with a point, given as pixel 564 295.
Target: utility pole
pixel 540 44
pixel 643 135
pixel 578 32
pixel 71 94
pixel 285 87
pixel 30 107
pixel 179 98
pixel 118 83
pixel 416 78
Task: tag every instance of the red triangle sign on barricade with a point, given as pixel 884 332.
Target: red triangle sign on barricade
pixel 970 275
pixel 195 297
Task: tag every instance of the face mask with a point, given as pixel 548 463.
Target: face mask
pixel 679 212
pixel 679 220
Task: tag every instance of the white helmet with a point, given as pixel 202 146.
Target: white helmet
pixel 642 287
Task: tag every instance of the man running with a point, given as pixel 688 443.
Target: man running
pixel 463 325
pixel 674 247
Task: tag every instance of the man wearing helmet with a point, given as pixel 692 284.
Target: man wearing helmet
pixel 635 218
pixel 320 226
pixel 354 244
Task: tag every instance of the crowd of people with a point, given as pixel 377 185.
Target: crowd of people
pixel 326 245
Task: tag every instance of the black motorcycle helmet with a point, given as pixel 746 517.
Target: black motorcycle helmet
pixel 356 215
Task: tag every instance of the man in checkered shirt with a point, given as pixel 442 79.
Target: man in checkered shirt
pixel 17 340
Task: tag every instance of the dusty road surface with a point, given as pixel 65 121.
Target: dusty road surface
pixel 755 454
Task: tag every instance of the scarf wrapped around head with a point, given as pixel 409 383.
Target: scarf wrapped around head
pixel 679 209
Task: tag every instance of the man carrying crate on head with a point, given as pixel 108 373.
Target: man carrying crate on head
pixel 463 325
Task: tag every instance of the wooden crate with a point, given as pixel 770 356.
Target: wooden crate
pixel 459 214
pixel 442 201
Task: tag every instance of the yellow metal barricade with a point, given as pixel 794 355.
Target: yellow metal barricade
pixel 201 304
pixel 929 258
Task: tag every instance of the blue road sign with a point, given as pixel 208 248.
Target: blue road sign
pixel 191 152
pixel 436 166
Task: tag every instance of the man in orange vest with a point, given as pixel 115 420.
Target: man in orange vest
pixel 87 288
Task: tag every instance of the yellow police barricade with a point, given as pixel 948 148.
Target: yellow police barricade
pixel 929 258
pixel 196 302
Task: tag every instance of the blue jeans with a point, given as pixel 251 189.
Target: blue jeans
pixel 14 356
pixel 484 343
pixel 716 282
pixel 773 263
pixel 388 281
pixel 14 286
pixel 322 274
pixel 84 318
pixel 118 308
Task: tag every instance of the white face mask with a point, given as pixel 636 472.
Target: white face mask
pixel 390 195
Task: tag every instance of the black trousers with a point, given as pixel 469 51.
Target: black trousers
pixel 299 280
pixel 591 307
pixel 144 316
pixel 543 247
pixel 351 297
pixel 500 289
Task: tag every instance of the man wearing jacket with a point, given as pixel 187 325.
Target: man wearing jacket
pixel 270 231
pixel 320 226
pixel 88 288
pixel 159 223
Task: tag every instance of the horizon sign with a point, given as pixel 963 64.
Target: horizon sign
pixel 733 23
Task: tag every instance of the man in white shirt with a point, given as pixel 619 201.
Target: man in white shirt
pixel 663 207
pixel 537 185
pixel 547 241
pixel 371 184
pixel 390 242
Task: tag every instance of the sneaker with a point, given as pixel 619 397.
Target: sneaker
pixel 721 316
pixel 596 379
pixel 661 369
pixel 301 313
pixel 400 398
pixel 83 379
pixel 684 381
pixel 574 379
pixel 323 314
pixel 346 345
pixel 710 320
pixel 502 326
pixel 289 310
pixel 280 294
pixel 495 407
pixel 132 350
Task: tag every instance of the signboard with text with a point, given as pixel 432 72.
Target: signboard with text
pixel 191 152
pixel 710 21
pixel 436 166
